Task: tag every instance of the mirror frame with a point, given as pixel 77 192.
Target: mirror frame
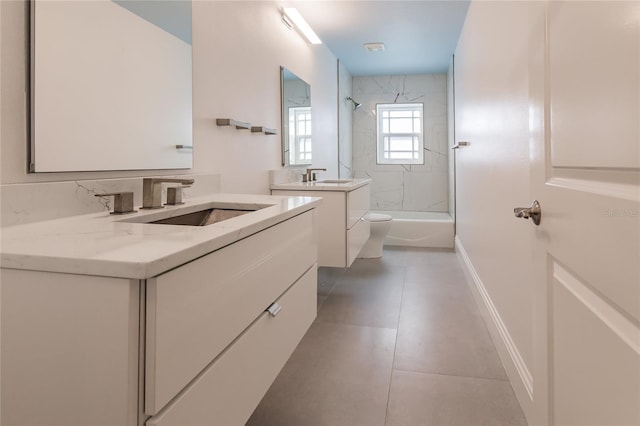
pixel 285 143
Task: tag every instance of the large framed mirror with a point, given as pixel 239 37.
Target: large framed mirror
pixel 296 120
pixel 111 85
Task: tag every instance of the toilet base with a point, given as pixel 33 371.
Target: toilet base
pixel 371 250
pixel 369 256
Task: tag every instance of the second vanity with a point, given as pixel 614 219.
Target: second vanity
pixel 342 228
pixel 116 320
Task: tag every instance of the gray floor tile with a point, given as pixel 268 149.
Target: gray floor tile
pixel 369 296
pixel 372 270
pixel 394 256
pixel 430 256
pixel 427 399
pixel 366 312
pixel 324 289
pixel 338 375
pixel 441 331
pixel 449 296
pixel 327 278
pixel 447 272
pixel 321 300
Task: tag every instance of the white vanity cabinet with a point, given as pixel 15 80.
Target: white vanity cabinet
pixel 69 349
pixel 341 225
pixel 199 344
pixel 195 312
pixel 230 388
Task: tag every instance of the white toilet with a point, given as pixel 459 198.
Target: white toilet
pixel 380 225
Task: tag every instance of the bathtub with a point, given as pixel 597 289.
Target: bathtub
pixel 419 229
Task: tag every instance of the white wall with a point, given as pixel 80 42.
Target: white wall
pixel 416 187
pixel 492 94
pixel 238 48
pixel 345 123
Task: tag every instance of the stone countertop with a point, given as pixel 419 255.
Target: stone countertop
pixel 121 246
pixel 323 185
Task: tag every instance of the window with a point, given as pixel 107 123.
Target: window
pixel 300 135
pixel 400 138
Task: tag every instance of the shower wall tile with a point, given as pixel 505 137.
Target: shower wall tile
pixel 430 197
pixel 422 187
pixel 386 189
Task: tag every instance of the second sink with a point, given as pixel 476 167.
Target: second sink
pixel 335 181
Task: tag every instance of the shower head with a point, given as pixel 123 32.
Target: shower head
pixel 356 105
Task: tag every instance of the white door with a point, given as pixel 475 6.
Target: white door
pixel 585 128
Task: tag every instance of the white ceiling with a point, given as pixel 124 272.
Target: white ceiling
pixel 420 36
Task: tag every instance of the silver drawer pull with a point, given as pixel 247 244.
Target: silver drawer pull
pixel 274 309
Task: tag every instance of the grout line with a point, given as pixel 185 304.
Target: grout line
pixel 354 325
pixel 451 375
pixel 395 344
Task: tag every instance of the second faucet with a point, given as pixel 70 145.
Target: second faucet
pixel 312 176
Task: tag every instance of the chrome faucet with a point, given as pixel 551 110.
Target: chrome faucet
pixel 152 191
pixel 312 176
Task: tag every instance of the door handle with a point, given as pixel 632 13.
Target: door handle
pixel 534 212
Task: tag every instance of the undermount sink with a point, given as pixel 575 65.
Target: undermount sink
pixel 335 181
pixel 202 217
pixel 197 215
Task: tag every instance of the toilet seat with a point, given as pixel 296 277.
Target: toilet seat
pixel 377 217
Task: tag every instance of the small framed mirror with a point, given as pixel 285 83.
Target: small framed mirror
pixel 296 119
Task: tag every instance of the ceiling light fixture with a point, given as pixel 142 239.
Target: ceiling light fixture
pixel 287 22
pixel 374 47
pixel 293 15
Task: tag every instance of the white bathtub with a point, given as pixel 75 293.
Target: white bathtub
pixel 419 229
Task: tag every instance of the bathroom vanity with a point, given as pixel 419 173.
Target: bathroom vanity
pixel 117 320
pixel 342 228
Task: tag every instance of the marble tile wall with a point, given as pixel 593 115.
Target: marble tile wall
pixel 422 187
pixel 32 202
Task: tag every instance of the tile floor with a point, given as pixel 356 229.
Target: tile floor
pixel 397 341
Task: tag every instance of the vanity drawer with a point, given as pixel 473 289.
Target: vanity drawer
pixel 196 310
pixel 357 205
pixel 357 236
pixel 233 385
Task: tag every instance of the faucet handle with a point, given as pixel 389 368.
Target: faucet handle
pixel 174 195
pixel 122 202
pixel 152 190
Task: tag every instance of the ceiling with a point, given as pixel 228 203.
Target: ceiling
pixel 419 36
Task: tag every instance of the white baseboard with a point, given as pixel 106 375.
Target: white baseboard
pixel 519 374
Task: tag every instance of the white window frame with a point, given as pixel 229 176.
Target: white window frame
pixel 384 151
pixel 297 140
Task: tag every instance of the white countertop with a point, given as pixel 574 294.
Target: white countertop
pixel 322 185
pixel 115 246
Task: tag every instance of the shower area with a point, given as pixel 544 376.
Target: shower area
pixel 418 196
